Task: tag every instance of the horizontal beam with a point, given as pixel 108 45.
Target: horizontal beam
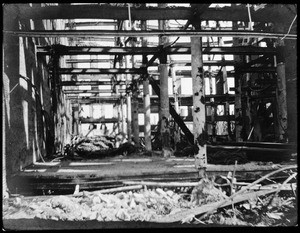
pixel 88 60
pixel 98 120
pixel 256 70
pixel 91 91
pixel 83 24
pixel 90 83
pixel 181 33
pixel 101 71
pixel 176 63
pixel 184 100
pixel 271 13
pixel 88 50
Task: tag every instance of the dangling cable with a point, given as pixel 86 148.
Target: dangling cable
pixel 289 28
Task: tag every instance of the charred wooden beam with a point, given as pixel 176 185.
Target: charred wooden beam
pixel 87 60
pixel 185 100
pixel 256 69
pixel 79 83
pixel 98 120
pixel 174 62
pixel 88 50
pixel 68 92
pixel 181 33
pixel 273 13
pixel 88 24
pixel 101 71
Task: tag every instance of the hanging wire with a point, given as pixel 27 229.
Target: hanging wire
pixel 289 28
pixel 129 16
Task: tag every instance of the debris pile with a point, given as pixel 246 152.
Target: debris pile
pixel 96 147
pixel 143 205
pixel 203 202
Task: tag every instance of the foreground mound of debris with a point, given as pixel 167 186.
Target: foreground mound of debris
pixel 203 202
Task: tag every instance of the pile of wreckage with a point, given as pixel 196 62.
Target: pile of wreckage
pixel 215 200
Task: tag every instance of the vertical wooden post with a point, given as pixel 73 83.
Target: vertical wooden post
pixel 147 104
pixel 199 116
pixel 123 110
pixel 164 92
pixel 246 105
pixel 129 121
pixel 4 182
pixel 75 119
pixel 176 92
pixel 128 95
pixel 238 92
pixel 281 93
pixel 164 107
pixel 225 84
pixel 212 107
pixel 135 105
pixel 122 105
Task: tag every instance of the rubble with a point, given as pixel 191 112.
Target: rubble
pixel 96 147
pixel 165 204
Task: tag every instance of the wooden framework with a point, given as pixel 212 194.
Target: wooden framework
pixel 259 79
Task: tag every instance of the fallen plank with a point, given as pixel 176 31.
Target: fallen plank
pixel 208 207
pixel 284 187
pixel 112 190
pixel 162 184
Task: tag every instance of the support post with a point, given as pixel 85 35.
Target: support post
pixel 147 109
pixel 128 95
pixel 246 106
pixel 135 105
pixel 164 107
pixel 75 111
pixel 199 128
pixel 238 92
pixel 176 92
pixel 164 91
pixel 281 94
pixel 212 107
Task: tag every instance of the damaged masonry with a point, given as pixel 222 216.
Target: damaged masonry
pixel 149 115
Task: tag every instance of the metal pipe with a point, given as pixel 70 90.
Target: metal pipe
pixel 183 33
